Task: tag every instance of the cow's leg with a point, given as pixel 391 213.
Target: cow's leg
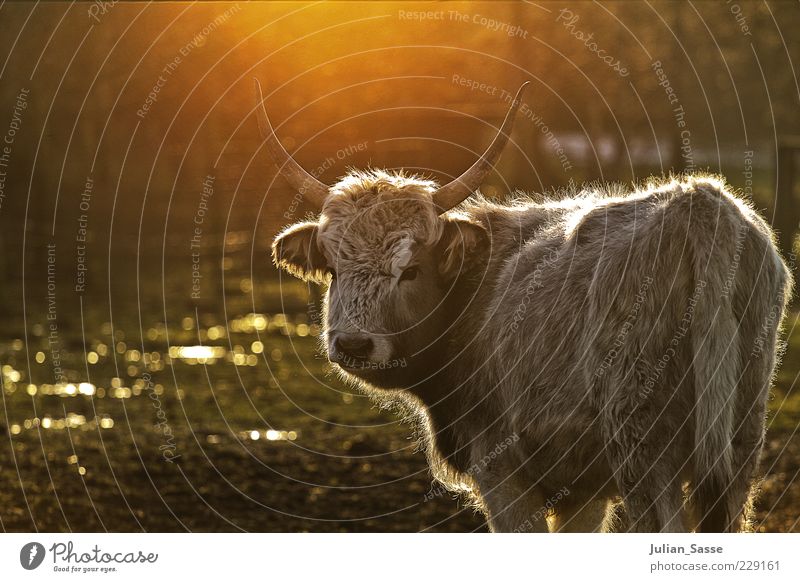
pixel 670 507
pixel 511 506
pixel 653 501
pixel 593 515
pixel 647 477
pixel 653 507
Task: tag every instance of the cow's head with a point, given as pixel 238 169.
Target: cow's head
pixel 390 253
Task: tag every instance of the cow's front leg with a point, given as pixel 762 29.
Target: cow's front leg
pixel 511 505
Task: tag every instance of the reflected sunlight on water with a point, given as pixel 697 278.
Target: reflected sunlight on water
pixel 277 323
pixel 201 354
pixel 70 421
pixel 99 373
pixel 270 435
pixel 10 374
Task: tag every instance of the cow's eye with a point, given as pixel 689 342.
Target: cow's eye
pixel 409 274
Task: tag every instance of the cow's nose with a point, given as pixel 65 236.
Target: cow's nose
pixel 353 345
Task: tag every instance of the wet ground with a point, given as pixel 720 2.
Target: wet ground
pixel 239 427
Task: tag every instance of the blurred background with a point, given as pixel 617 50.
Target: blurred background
pixel 159 374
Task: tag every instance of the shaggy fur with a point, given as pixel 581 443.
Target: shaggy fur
pixel 563 354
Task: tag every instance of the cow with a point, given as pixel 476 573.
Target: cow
pixel 566 356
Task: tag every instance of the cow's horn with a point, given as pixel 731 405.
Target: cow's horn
pixel 309 187
pixel 462 187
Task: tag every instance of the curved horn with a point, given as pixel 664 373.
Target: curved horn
pixel 461 188
pixel 309 187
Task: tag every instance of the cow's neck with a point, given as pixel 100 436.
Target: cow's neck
pixel 450 392
pixel 457 395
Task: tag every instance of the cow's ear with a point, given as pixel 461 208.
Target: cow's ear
pixel 463 242
pixel 295 250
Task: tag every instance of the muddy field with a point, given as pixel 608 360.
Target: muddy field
pixel 241 426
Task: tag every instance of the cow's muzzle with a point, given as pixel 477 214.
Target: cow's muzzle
pixel 349 349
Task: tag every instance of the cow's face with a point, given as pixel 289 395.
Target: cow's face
pixel 389 261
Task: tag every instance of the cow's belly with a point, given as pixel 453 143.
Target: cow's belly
pixel 570 457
